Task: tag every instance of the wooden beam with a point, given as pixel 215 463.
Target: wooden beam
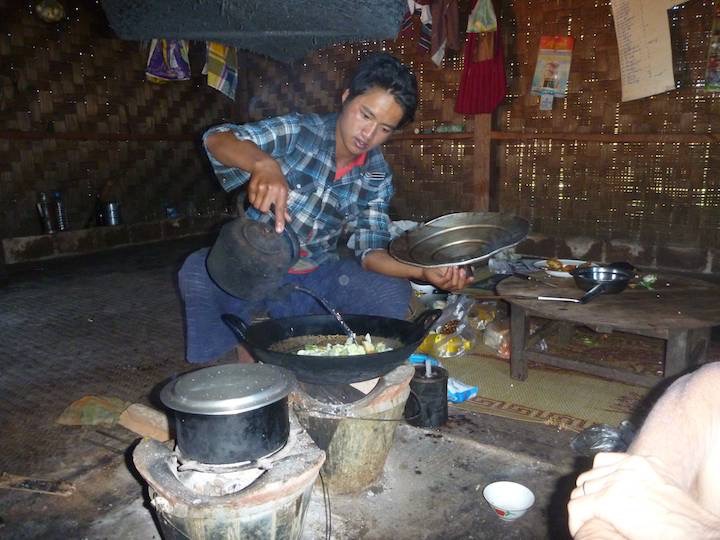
pixel 481 162
pixel 44 135
pixel 681 138
pixel 467 135
pixel 651 138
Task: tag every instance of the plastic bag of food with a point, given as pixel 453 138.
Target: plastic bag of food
pixel 497 337
pixel 453 333
pixel 482 314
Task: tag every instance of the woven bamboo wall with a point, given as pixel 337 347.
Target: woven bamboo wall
pixel 653 193
pixel 73 80
pixel 650 192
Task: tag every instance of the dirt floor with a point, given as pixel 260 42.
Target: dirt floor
pixel 111 325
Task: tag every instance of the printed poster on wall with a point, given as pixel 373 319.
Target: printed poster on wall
pixel 553 66
pixel 643 34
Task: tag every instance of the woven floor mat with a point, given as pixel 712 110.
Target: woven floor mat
pixel 561 398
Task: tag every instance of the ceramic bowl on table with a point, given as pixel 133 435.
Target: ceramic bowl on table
pixel 543 265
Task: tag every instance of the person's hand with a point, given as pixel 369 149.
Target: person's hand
pixel 637 496
pixel 596 529
pixel 447 278
pixel 268 189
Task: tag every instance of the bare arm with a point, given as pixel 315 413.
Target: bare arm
pixel 267 187
pixel 637 497
pixel 448 278
pixel 668 484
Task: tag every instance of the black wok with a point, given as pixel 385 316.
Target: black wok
pixel 597 280
pixel 404 336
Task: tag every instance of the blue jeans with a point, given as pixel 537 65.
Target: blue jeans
pixel 344 283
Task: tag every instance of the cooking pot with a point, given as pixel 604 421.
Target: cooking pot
pixel 598 280
pixel 230 413
pixel 265 341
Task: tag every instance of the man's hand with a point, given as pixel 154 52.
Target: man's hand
pixel 268 189
pixel 447 278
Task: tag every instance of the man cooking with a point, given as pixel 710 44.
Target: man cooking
pixel 317 174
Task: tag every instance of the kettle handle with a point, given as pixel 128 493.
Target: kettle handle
pixel 236 324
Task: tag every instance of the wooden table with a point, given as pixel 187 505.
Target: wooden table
pixel 680 311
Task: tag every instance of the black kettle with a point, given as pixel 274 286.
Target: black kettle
pixel 249 258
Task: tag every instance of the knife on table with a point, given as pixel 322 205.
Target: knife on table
pixel 531 278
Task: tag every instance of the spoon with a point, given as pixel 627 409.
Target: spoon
pixel 324 303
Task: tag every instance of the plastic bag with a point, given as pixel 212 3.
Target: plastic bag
pixel 482 18
pixel 457 391
pixel 482 314
pixel 453 333
pixel 497 337
pixel 168 61
pixel 603 438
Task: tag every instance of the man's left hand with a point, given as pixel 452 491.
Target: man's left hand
pixel 448 278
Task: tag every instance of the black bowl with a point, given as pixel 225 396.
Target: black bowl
pixel 613 279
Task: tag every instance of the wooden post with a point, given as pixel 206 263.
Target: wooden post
pixel 481 162
pixel 518 335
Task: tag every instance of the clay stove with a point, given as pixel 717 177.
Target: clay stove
pixel 264 499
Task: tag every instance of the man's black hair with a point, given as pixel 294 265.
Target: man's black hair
pixel 382 70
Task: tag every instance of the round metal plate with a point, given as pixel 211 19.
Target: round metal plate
pixel 459 239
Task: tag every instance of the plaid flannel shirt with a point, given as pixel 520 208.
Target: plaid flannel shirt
pixel 321 207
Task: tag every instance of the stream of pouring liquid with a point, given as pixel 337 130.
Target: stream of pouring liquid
pixel 332 311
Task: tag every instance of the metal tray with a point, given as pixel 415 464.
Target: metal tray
pixel 459 239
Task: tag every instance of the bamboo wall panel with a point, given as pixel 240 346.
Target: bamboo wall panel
pixel 75 78
pixel 655 193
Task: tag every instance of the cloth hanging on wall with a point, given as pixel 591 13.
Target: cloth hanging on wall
pixel 445 29
pixel 712 70
pixel 421 8
pixel 221 68
pixel 482 83
pixel 168 61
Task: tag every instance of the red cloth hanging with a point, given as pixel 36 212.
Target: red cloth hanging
pixel 482 84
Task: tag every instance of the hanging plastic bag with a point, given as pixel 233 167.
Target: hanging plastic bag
pixel 482 18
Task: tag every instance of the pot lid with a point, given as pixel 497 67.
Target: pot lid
pixel 227 389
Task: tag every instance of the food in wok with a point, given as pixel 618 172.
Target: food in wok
pixel 335 345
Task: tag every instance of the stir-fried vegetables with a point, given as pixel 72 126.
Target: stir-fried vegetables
pixel 364 346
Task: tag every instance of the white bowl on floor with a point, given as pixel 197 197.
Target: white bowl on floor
pixel 509 500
